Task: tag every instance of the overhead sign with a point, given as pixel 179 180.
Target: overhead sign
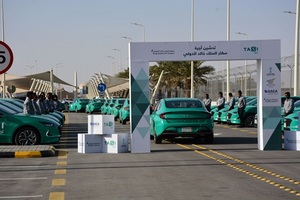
pixel 6 57
pixel 101 87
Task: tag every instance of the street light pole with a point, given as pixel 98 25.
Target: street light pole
pixel 120 57
pixel 192 39
pixel 296 56
pixel 228 39
pixel 141 25
pixel 245 93
pixel 113 64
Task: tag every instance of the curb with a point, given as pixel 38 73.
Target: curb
pixel 29 154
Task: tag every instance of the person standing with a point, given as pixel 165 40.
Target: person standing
pixel 241 108
pixel 36 108
pixel 207 103
pixel 231 101
pixel 288 104
pixel 28 106
pixel 220 101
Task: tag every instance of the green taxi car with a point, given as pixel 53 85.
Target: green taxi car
pixel 78 105
pixel 94 105
pixel 181 117
pixel 110 106
pixel 124 113
pixel 116 107
pixel 104 106
pixel 23 129
pixel 291 122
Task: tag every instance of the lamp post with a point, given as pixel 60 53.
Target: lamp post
pixel 141 25
pixel 192 39
pixel 57 66
pixel 296 59
pixel 120 57
pixel 291 77
pixel 113 64
pixel 245 92
pixel 228 39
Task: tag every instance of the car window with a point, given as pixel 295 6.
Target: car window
pixel 183 104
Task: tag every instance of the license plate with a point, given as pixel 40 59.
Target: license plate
pixel 187 129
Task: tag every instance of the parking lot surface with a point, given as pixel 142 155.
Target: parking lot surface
pixel 231 168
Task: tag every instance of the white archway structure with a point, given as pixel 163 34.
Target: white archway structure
pixel 265 52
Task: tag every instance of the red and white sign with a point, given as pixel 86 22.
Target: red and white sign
pixel 6 57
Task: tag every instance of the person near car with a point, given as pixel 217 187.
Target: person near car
pixel 241 108
pixel 56 103
pixel 207 102
pixel 49 102
pixel 231 101
pixel 35 105
pixel 41 104
pixel 288 104
pixel 28 106
pixel 220 101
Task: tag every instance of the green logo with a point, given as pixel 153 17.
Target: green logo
pixel 252 49
pixel 111 143
pixel 110 124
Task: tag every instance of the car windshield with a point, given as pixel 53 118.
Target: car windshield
pixel 99 100
pixel 6 110
pixel 297 103
pixel 183 104
pixel 121 101
pixel 84 100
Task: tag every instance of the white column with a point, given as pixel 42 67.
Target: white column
pixel 296 65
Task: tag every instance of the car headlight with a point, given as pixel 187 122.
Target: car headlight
pixel 296 117
pixel 48 124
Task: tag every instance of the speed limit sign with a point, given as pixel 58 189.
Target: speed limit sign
pixel 6 57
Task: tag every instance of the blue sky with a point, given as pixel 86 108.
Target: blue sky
pixel 80 34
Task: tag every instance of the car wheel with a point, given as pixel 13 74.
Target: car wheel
pixel 116 118
pixel 123 121
pixel 151 137
pixel 249 120
pixel 209 139
pixel 26 136
pixel 120 121
pixel 158 139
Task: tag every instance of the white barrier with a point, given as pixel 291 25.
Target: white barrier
pixel 292 140
pixel 88 143
pixel 115 143
pixel 101 124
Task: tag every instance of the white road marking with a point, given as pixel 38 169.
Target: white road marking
pixel 21 197
pixel 16 179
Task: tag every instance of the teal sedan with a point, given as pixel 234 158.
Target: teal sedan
pixel 110 106
pixel 22 129
pixel 291 122
pixel 116 107
pixel 181 117
pixel 94 105
pixel 124 112
pixel 78 105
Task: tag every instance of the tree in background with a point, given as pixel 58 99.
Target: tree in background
pixel 176 74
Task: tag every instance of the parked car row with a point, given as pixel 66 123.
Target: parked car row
pixel 250 114
pixel 24 129
pixel 119 107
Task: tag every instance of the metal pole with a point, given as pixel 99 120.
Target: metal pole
pixel 51 80
pixel 192 39
pixel 296 65
pixel 228 39
pixel 3 75
pixel 156 87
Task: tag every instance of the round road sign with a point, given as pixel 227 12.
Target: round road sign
pixel 6 57
pixel 101 87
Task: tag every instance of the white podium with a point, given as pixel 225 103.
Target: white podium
pixel 292 140
pixel 101 124
pixel 115 143
pixel 88 143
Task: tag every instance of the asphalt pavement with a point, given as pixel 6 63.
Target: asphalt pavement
pixel 231 168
